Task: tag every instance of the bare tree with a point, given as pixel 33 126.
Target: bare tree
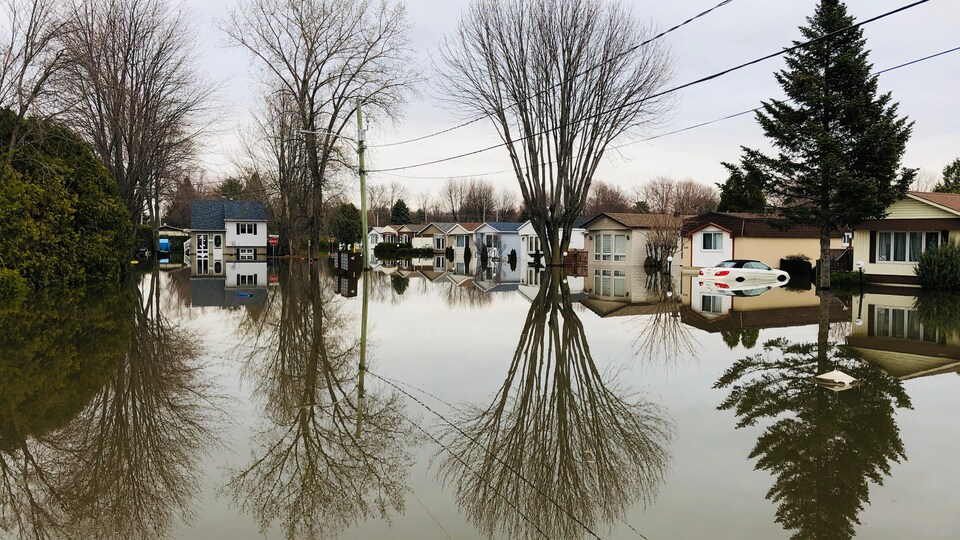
pixel 327 56
pixel 425 202
pixel 561 80
pixel 136 94
pixel 664 195
pixel 926 180
pixel 479 200
pixel 506 207
pixel 452 196
pixel 29 57
pixel 605 197
pixel 378 200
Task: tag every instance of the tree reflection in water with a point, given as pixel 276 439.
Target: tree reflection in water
pixel 109 416
pixel 822 446
pixel 558 450
pixel 134 451
pixel 663 337
pixel 311 472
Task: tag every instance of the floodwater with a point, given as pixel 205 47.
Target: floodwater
pixel 504 404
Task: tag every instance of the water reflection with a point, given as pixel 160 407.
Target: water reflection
pixel 559 451
pixel 108 417
pixel 312 473
pixel 823 447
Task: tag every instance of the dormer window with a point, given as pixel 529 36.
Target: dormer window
pixel 246 228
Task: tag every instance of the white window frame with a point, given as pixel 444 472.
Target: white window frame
pixel 247 279
pixel 602 241
pixel 439 242
pixel 891 258
pixel 715 301
pixel 895 322
pixel 247 254
pixel 717 243
pixel 610 283
pixel 461 240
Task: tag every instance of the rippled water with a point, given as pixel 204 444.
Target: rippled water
pixel 519 405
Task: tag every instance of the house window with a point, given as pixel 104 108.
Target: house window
pixel 904 246
pixel 902 323
pixel 438 263
pixel 610 247
pixel 203 267
pixel 712 241
pixel 461 240
pixel 711 303
pixel 246 228
pixel 533 244
pixel 490 240
pixel 610 283
pixel 247 254
pixel 201 241
pixel 439 242
pixel 216 241
pixel 243 279
pixel 533 276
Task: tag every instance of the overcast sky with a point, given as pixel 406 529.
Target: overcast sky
pixel 740 31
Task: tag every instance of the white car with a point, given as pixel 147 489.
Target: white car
pixel 744 274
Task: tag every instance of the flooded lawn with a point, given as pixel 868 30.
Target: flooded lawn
pixel 498 404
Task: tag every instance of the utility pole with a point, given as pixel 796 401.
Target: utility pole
pixel 363 188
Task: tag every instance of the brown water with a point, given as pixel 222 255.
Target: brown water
pixel 528 406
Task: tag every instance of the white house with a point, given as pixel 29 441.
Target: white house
pixel 619 240
pixel 436 232
pixel 461 236
pixel 226 231
pixel 530 242
pixel 500 238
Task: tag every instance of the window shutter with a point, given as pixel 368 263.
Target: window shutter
pixel 254 228
pixel 871 323
pixel 238 228
pixel 873 246
pixel 254 253
pixel 944 237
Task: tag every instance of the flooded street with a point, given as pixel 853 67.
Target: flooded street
pixel 540 407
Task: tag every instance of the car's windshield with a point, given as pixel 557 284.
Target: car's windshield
pixel 756 265
pixel 726 264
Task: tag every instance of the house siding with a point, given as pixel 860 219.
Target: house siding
pixel 915 213
pixel 701 258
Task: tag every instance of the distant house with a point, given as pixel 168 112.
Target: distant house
pixel 718 236
pixel 889 247
pixel 223 231
pixel 531 242
pixel 437 233
pixel 500 238
pixel 626 239
pixel 461 236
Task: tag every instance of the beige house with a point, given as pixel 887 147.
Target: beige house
pixel 620 240
pixel 889 247
pixel 719 236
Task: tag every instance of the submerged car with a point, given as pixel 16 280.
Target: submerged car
pixel 746 273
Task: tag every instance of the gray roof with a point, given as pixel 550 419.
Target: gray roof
pixel 211 215
pixel 505 226
pixel 442 225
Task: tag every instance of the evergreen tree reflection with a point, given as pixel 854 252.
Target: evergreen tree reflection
pixel 558 450
pixel 312 471
pixel 56 352
pixel 132 464
pixel 823 447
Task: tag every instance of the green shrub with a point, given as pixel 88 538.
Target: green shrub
pixel 449 253
pixel 467 256
pixel 939 312
pixel 484 256
pixel 800 257
pixel 939 268
pixel 512 259
pixel 13 286
pixel 846 280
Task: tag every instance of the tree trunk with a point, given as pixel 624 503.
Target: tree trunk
pixel 824 258
pixel 823 333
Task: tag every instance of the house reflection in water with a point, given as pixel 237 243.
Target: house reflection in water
pixel 908 336
pixel 713 310
pixel 238 284
pixel 623 290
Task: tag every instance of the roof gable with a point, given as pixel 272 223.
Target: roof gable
pixel 750 225
pixel 637 221
pixel 948 202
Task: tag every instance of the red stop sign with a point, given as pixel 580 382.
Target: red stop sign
pixel 274 278
pixel 274 240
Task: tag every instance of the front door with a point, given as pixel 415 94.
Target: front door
pixel 203 255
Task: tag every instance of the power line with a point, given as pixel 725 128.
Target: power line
pixel 665 92
pixel 675 131
pixel 576 75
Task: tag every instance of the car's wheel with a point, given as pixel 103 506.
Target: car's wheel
pixel 781 277
pixel 740 279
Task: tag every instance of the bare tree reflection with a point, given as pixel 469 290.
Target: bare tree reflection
pixel 663 337
pixel 558 450
pixel 312 472
pixel 132 464
pixel 823 447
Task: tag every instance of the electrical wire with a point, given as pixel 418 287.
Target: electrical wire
pixel 675 131
pixel 576 75
pixel 665 92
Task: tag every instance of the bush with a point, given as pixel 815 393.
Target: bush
pixel 484 256
pixel 467 255
pixel 512 259
pixel 846 280
pixel 449 253
pixel 939 312
pixel 800 257
pixel 939 268
pixel 13 286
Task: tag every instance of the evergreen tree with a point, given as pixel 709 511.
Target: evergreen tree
pixel 743 190
pixel 345 224
pixel 399 213
pixel 951 178
pixel 641 207
pixel 839 144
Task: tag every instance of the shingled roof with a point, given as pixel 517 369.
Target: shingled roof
pixel 211 215
pixel 639 221
pixel 750 225
pixel 505 226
